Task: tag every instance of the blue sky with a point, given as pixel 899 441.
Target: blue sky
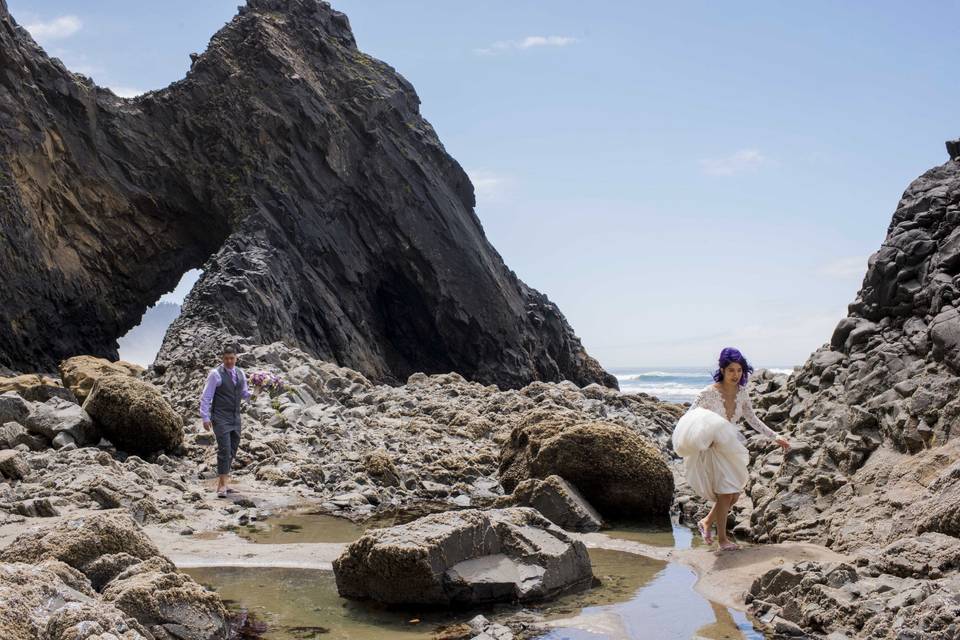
pixel 677 177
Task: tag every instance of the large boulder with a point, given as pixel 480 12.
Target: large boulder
pixel 133 415
pixel 79 373
pixel 616 470
pixel 464 557
pixel 557 500
pixel 80 541
pixel 57 416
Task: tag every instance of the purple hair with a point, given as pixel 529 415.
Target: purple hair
pixel 728 356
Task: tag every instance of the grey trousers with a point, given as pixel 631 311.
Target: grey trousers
pixel 227 445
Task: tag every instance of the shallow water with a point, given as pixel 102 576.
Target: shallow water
pixel 304 525
pixel 286 528
pixel 639 598
pixel 658 535
pixel 663 605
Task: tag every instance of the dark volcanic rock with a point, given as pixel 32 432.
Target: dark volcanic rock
pixel 873 415
pixel 876 409
pixel 298 172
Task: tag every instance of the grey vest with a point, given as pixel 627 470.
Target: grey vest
pixel 225 409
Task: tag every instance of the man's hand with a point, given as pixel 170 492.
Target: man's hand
pixel 783 442
pixel 207 425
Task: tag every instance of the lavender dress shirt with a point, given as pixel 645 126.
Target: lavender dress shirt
pixel 213 381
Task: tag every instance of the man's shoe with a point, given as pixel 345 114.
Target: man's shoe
pixel 221 493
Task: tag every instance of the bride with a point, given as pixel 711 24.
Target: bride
pixel 715 459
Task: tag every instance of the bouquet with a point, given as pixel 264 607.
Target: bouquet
pixel 269 382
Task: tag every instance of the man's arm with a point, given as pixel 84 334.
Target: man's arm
pixel 206 398
pixel 244 389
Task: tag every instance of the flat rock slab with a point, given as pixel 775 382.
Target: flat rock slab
pixel 558 500
pixel 464 557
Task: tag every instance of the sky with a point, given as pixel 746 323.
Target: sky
pixel 677 177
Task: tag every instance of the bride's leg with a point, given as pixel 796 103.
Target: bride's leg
pixel 724 502
pixel 708 521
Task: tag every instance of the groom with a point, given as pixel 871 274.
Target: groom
pixel 220 411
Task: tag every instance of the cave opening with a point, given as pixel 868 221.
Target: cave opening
pixel 141 344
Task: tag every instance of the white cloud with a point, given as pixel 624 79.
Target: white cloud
pixel 59 27
pixel 488 185
pixel 125 92
pixel 738 162
pixel 528 42
pixel 852 267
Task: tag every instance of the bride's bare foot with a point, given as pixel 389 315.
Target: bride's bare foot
pixel 704 527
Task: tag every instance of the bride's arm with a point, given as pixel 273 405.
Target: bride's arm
pixel 753 420
pixel 699 401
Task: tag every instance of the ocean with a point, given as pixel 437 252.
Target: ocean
pixel 674 384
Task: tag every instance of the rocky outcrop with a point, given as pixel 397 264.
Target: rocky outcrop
pixel 169 600
pixel 52 600
pixel 298 172
pixel 873 415
pixel 615 469
pixel 853 602
pixel 99 573
pixel 464 557
pixel 876 406
pixel 133 415
pixel 37 425
pixel 62 422
pixel 81 541
pixel 35 387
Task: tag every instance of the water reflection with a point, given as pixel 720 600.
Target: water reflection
pixel 663 608
pixel 639 598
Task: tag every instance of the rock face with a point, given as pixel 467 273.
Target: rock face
pixel 878 404
pixel 615 469
pixel 298 172
pixel 133 415
pixel 873 414
pixel 464 557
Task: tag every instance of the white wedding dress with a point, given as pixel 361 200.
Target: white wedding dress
pixel 715 459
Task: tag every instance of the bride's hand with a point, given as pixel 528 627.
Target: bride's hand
pixel 783 442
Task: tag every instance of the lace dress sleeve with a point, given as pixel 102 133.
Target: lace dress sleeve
pixel 746 406
pixel 697 401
